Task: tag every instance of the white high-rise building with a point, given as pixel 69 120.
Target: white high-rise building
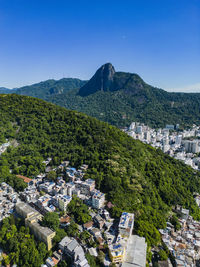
pixel 191 146
pixel 165 148
pixel 147 136
pixel 63 201
pixel 165 141
pixel 98 199
pixel 126 224
pixel 132 126
pixel 178 139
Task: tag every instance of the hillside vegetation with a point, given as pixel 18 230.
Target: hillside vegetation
pixel 50 87
pixel 4 90
pixel 135 177
pixel 119 98
pixel 120 109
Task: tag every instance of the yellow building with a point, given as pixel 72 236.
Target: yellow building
pixel 117 253
pixel 32 218
pixel 25 210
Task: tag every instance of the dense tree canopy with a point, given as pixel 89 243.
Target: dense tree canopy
pixel 51 220
pixel 23 250
pixel 49 88
pixel 78 210
pixel 127 99
pixel 52 176
pixel 135 177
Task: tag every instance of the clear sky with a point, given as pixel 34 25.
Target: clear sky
pixel 158 39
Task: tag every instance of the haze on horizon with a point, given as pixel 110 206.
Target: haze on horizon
pixel 159 40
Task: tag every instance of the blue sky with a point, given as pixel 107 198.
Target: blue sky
pixel 43 39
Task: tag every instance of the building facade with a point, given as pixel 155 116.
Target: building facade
pixel 32 218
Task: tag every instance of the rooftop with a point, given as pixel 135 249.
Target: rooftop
pixel 126 220
pixel 65 219
pixel 26 208
pixel 136 252
pixel 98 194
pixel 66 197
pixel 26 179
pixel 116 250
pixel 90 181
pixel 45 231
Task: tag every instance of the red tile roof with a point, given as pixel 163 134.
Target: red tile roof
pixel 55 260
pixel 88 224
pixel 65 219
pixel 26 179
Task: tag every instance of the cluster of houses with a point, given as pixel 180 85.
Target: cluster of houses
pixel 184 244
pixel 42 196
pixel 125 249
pixel 8 198
pixel 59 193
pixel 70 247
pixel 128 249
pixel 170 140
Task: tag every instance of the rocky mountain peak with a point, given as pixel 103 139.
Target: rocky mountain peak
pixel 101 81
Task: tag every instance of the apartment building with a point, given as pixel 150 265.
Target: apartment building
pixel 32 218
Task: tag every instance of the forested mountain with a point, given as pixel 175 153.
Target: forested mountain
pixel 50 88
pixel 135 177
pixel 4 90
pixel 46 89
pixel 119 98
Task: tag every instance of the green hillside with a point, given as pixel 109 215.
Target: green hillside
pixel 119 98
pixel 135 177
pixel 120 109
pixel 49 88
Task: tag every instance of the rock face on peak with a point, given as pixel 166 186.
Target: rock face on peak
pixel 101 81
pixel 118 98
pixel 106 79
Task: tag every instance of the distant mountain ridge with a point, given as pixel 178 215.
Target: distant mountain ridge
pixel 4 90
pixel 50 87
pixel 119 98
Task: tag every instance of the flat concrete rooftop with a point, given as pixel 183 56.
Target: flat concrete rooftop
pixel 136 252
